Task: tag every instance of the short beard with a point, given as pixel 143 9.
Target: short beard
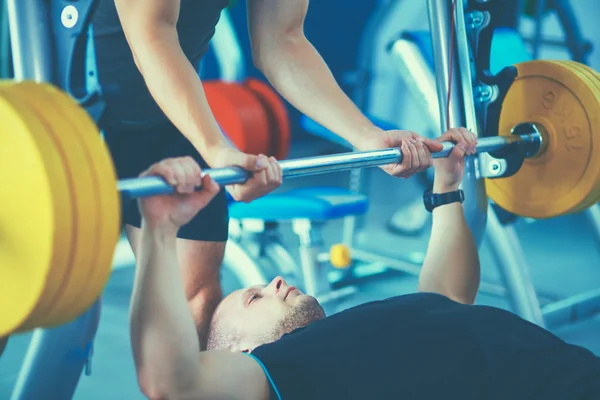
pixel 307 310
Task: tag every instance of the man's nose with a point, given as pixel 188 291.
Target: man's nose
pixel 278 284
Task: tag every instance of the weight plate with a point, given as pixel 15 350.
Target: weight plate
pixel 277 114
pixel 105 180
pixel 253 115
pixel 70 302
pixel 589 75
pixel 583 77
pixel 557 181
pixel 594 76
pixel 60 270
pixel 240 115
pixel 86 205
pixel 36 219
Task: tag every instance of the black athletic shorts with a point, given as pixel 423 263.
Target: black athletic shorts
pixel 134 150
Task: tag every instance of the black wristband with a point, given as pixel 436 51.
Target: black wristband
pixel 433 200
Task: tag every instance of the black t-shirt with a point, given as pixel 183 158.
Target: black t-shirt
pixel 128 99
pixel 425 346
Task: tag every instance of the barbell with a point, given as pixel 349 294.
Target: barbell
pixel 531 143
pixel 61 222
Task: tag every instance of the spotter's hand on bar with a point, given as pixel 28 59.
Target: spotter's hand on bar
pixel 416 150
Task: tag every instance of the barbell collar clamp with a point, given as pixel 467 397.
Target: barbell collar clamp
pixel 509 159
pixel 153 185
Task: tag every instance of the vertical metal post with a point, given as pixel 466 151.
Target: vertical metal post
pixel 56 357
pixel 31 40
pixel 539 25
pixel 514 271
pixel 313 274
pixel 461 110
pixel 593 216
pixel 351 223
pixel 520 11
pixel 4 41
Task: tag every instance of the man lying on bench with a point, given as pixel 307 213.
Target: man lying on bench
pixel 274 342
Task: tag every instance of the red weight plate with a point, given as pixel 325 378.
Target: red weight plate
pixel 278 116
pixel 240 115
pixel 253 115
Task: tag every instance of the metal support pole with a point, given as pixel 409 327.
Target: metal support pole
pixel 579 47
pixel 513 269
pixel 593 216
pixel 56 358
pixel 31 40
pixel 313 274
pixel 539 25
pixel 461 110
pixel 356 184
pixel 4 41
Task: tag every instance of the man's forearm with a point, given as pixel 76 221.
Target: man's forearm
pixel 451 266
pixel 163 335
pixel 298 72
pixel 176 87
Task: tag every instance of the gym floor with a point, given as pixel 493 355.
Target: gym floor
pixel 563 256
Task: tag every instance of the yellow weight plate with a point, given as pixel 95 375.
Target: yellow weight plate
pixel 87 209
pixel 557 181
pixel 61 269
pixel 85 206
pixel 68 305
pixel 36 221
pixel 584 78
pixel 594 76
pixel 589 75
pixel 106 182
pixel 53 287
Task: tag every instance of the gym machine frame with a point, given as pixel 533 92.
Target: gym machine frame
pixel 502 238
pixel 462 112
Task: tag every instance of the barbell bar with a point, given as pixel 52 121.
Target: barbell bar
pixel 308 166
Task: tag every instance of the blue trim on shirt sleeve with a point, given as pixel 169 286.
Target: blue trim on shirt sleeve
pixel 268 375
